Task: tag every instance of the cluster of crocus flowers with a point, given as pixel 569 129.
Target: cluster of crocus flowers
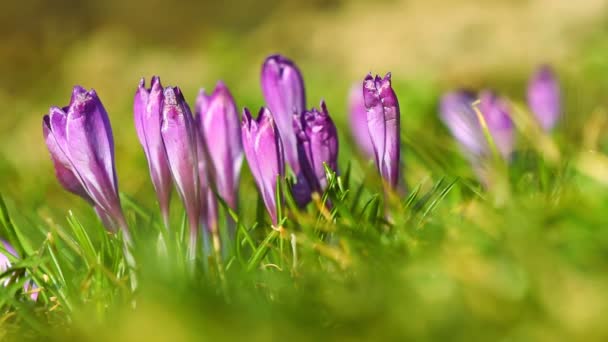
pixel 80 141
pixel 482 123
pixel 201 154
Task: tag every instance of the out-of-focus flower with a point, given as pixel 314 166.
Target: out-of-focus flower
pixel 179 135
pixel 383 123
pixel 458 113
pixel 264 152
pixel 358 121
pixel 283 89
pixel 80 142
pixel 496 113
pixel 5 264
pixel 544 97
pixel 147 108
pixel 317 144
pixel 218 121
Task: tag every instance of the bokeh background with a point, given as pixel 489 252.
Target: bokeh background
pixel 429 45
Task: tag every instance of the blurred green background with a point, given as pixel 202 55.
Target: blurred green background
pixel 429 46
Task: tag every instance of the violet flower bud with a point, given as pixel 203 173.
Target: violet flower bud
pixel 147 108
pixel 358 121
pixel 179 135
pixel 79 139
pixel 317 145
pixel 383 123
pixel 458 113
pixel 264 152
pixel 496 113
pixel 218 121
pixel 544 97
pixel 283 89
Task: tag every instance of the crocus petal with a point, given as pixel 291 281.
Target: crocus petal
pixel 264 153
pixel 383 120
pixel 90 148
pixel 496 114
pixel 218 121
pixel 544 97
pixel 178 134
pixel 317 145
pixel 61 163
pixel 283 89
pixel 147 110
pixel 358 121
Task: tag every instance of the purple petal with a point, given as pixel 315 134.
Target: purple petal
pixel 218 120
pixel 61 163
pixel 544 97
pixel 90 147
pixel 283 89
pixel 264 153
pixel 179 137
pixel 147 110
pixel 383 120
pixel 358 121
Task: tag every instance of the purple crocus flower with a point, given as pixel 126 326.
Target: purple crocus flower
pixel 496 114
pixel 544 97
pixel 383 123
pixel 459 115
pixel 179 135
pixel 283 89
pixel 264 152
pixel 317 144
pixel 80 142
pixel 5 264
pixel 218 121
pixel 147 108
pixel 358 121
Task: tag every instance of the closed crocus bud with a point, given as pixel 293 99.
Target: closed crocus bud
pixel 457 113
pixel 317 145
pixel 264 152
pixel 147 108
pixel 81 144
pixel 496 114
pixel 179 135
pixel 544 97
pixel 358 121
pixel 383 123
pixel 218 121
pixel 283 89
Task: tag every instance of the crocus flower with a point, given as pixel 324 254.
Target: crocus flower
pixel 544 97
pixel 283 89
pixel 218 121
pixel 358 121
pixel 317 144
pixel 459 115
pixel 264 152
pixel 179 135
pixel 383 123
pixel 147 108
pixel 5 264
pixel 80 142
